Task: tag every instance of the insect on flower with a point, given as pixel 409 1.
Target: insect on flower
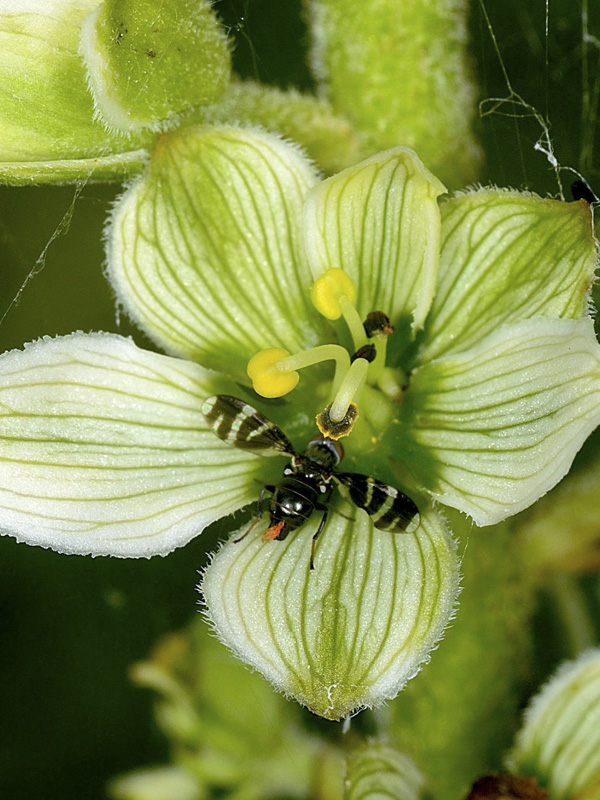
pixel 306 484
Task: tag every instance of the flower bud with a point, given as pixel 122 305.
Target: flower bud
pixel 378 771
pixel 559 743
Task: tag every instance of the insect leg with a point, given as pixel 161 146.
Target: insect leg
pixel 259 512
pixel 325 511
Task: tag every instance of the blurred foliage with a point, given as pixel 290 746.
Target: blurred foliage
pixel 70 627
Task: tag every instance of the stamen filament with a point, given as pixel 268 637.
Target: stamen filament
pixel 350 386
pixel 325 352
pixel 353 321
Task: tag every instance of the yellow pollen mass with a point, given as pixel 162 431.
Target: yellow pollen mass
pixel 267 379
pixel 328 289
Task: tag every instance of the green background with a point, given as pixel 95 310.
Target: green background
pixel 70 627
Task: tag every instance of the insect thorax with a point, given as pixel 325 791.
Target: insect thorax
pixel 321 451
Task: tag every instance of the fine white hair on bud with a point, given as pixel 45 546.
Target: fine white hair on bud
pixel 559 742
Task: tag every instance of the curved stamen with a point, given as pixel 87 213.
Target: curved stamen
pixel 349 388
pixel 274 371
pixel 353 321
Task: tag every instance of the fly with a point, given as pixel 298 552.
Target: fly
pixel 307 482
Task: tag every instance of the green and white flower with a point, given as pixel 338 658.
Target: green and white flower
pixel 479 400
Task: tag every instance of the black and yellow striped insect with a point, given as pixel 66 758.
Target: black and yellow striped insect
pixel 306 485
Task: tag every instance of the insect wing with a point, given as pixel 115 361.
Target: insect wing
pixel 242 426
pixel 389 508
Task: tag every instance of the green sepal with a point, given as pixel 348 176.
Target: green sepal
pixel 147 62
pixel 508 256
pixel 348 633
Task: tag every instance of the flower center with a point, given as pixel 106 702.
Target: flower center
pixel 274 372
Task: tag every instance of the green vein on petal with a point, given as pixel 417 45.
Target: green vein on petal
pixel 508 256
pixel 492 429
pixel 203 250
pixel 349 633
pixel 377 771
pixel 104 450
pixel 380 222
pixel 559 743
pixel 47 127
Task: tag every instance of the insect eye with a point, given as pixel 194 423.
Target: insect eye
pixel 333 444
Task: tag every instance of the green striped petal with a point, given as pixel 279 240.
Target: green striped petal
pixel 349 633
pixel 204 250
pixel 506 257
pixel 379 221
pixel 47 127
pixel 104 450
pixel 490 430
pixel 377 772
pixel 559 743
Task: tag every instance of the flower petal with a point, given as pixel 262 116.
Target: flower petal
pixel 490 430
pixel 47 126
pixel 380 771
pixel 379 221
pixel 203 250
pixel 349 633
pixel 103 449
pixel 560 741
pixel 507 256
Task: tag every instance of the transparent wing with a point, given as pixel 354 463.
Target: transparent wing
pixel 389 508
pixel 242 426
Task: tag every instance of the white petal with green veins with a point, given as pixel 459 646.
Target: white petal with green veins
pixel 505 257
pixel 559 743
pixel 349 633
pixel 104 450
pixel 204 250
pixel 490 430
pixel 379 221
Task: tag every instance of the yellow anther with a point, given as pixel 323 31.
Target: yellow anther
pixel 267 378
pixel 328 289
